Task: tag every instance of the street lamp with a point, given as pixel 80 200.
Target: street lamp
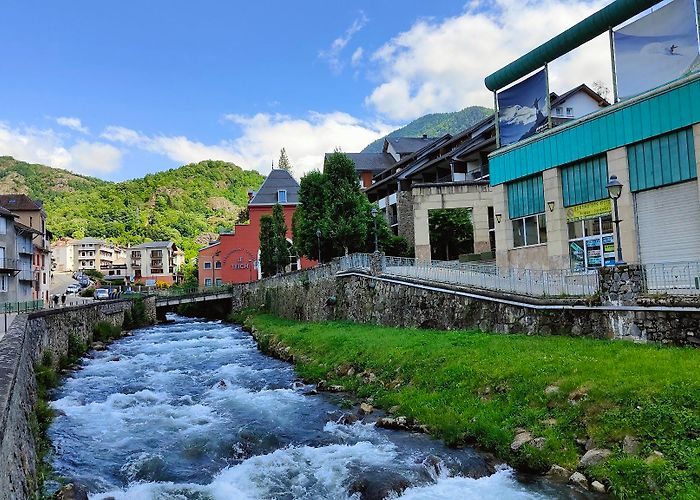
pixel 376 237
pixel 318 238
pixel 614 187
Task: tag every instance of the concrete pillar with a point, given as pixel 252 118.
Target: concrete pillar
pixel 557 229
pixel 617 165
pixel 480 223
pixel 421 233
pixel 504 229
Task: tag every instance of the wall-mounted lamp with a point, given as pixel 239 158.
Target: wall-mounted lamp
pixel 550 205
pixel 499 217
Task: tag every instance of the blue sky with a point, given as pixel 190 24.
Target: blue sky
pixel 119 89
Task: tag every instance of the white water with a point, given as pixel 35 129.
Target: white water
pixel 150 419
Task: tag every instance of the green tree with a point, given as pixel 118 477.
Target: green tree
pixel 280 245
pixel 283 162
pixel 451 232
pixel 348 206
pixel 312 215
pixel 267 248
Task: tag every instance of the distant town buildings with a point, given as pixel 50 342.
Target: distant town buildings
pixel 234 257
pixel 155 262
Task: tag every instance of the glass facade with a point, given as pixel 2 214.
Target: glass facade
pixel 591 243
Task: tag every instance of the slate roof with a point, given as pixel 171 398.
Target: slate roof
pixel 20 202
pixel 558 99
pixel 277 180
pixel 407 145
pixel 370 162
pixel 154 244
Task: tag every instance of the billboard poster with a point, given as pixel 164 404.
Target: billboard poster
pixel 657 48
pixel 522 109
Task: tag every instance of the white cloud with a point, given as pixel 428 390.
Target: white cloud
pixel 49 148
pixel 518 115
pixel 441 65
pixel 261 138
pixel 72 123
pixel 332 54
pixel 356 58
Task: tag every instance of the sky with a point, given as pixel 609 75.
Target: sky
pixel 119 89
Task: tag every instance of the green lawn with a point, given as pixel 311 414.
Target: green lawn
pixel 475 387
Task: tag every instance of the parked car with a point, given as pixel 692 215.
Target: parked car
pixel 73 289
pixel 101 294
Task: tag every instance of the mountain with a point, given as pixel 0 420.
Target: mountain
pixel 186 204
pixel 435 125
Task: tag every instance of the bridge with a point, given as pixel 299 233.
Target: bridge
pixel 170 300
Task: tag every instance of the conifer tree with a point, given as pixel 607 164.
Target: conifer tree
pixel 283 162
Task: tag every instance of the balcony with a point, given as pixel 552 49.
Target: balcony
pixel 25 249
pixel 156 254
pixel 157 263
pixel 26 275
pixel 8 265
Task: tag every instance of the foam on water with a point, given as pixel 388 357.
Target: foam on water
pixel 193 410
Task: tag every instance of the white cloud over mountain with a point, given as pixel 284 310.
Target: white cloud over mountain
pixel 518 115
pixel 440 65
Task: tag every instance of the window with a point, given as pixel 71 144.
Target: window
pixel 559 110
pixel 207 282
pixel 492 229
pixel 528 231
pixel 3 283
pixel 282 196
pixel 219 282
pixel 3 225
pixel 569 111
pixel 207 265
pixel 591 243
pixel 218 264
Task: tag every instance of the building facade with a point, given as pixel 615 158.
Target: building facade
pixel 155 262
pixel 235 256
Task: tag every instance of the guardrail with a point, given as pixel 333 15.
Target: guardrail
pixel 179 292
pixel 531 282
pixel 677 278
pixel 20 307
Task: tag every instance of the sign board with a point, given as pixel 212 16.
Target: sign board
pixel 523 109
pixel 657 48
pixel 588 210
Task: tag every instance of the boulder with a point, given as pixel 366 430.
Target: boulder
pixel 347 419
pixel 366 408
pixel 335 388
pixel 344 369
pixel 630 445
pixel 521 439
pixel 400 423
pixel 551 389
pixel 538 443
pixel 98 346
pixel 71 491
pixel 558 472
pixel 378 485
pixel 654 457
pixel 598 487
pixel 579 480
pixel 594 457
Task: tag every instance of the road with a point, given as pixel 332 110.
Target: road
pixel 59 283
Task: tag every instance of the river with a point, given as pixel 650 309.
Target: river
pixel 192 410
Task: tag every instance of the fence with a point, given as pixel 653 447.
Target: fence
pixel 529 282
pixel 679 278
pixel 14 307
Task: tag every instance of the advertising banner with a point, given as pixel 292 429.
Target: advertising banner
pixel 656 49
pixel 588 210
pixel 522 109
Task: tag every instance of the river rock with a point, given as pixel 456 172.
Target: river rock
pixel 347 419
pixel 335 388
pixel 551 389
pixel 579 480
pixel 366 408
pixel 71 491
pixel 98 346
pixel 345 370
pixel 655 456
pixel 577 395
pixel 521 439
pixel 378 486
pixel 630 445
pixel 559 472
pixel 400 423
pixel 594 457
pixel 598 487
pixel 394 409
pixel 538 443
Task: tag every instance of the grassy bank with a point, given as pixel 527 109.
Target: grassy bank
pixel 469 387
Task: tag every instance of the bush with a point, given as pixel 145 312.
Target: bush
pixel 397 246
pixel 76 348
pixel 88 292
pixel 135 317
pixel 104 332
pixel 94 274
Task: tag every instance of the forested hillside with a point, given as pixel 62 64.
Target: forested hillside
pixel 187 204
pixel 435 125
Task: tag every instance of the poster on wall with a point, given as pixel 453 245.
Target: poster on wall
pixel 522 109
pixel 657 48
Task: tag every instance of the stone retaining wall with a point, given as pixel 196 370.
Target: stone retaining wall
pixel 23 345
pixel 391 302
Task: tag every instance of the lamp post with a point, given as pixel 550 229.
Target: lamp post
pixel 614 188
pixel 376 237
pixel 318 238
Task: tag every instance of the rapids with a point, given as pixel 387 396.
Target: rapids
pixel 192 410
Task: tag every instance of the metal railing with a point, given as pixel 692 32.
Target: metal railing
pixel 531 282
pixel 678 278
pixel 19 307
pixel 179 292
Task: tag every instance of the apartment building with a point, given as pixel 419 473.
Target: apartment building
pixel 156 261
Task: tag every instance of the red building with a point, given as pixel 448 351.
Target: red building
pixel 235 257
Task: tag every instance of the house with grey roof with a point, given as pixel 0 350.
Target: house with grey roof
pixel 155 261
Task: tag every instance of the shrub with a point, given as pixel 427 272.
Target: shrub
pixel 93 273
pixel 104 332
pixel 397 246
pixel 88 292
pixel 76 348
pixel 135 317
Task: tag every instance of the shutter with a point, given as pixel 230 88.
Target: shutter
pixel 585 181
pixel 525 197
pixel 663 160
pixel 669 224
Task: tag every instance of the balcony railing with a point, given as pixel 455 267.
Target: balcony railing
pixel 9 264
pixel 26 275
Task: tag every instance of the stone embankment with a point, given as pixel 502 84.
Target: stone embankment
pixel 621 310
pixel 26 341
